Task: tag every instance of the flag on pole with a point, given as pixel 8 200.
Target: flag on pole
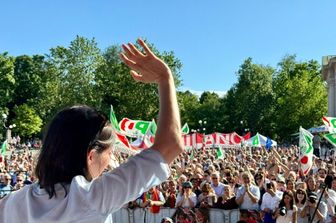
pixel 185 129
pixel 153 127
pixel 268 143
pixel 256 141
pixel 247 136
pixel 306 151
pixel 4 147
pixel 192 155
pixel 114 120
pixel 330 122
pixel 220 154
pixel 331 137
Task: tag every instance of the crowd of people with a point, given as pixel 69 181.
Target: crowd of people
pixel 266 185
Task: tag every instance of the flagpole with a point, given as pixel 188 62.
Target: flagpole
pixel 334 155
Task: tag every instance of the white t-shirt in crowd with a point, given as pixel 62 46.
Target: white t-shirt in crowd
pixel 247 202
pixel 219 189
pixel 269 201
pixel 186 203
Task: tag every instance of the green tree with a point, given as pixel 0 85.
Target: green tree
pixel 28 123
pixel 249 103
pixel 7 80
pixel 209 111
pixel 7 86
pixel 301 97
pixel 76 67
pixel 189 106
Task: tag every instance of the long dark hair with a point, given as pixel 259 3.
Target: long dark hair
pixel 72 133
pixel 290 194
pixel 304 193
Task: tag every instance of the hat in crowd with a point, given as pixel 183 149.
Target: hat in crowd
pixel 281 179
pixel 187 184
pixel 166 219
pixel 312 195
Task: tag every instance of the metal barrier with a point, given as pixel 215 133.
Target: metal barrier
pixel 140 215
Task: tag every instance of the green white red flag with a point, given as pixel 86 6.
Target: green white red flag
pixel 134 128
pixel 331 123
pixel 114 120
pixel 306 151
pixel 331 137
pixel 4 147
pixel 122 145
pixel 220 154
pixel 185 129
pixel 256 141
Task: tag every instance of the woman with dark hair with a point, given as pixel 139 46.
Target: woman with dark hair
pixel 207 198
pixel 290 185
pixel 287 211
pixel 311 185
pixel 77 149
pixel 301 202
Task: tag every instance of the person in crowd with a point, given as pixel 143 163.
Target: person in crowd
pixel 287 211
pixel 260 182
pixel 290 185
pixel 322 173
pixel 317 144
pixel 329 198
pixel 170 194
pixel 196 181
pixel 6 188
pixel 152 199
pixel 270 201
pixel 309 210
pixel 216 184
pixel 281 183
pixel 311 184
pixel 187 198
pixel 19 182
pixel 228 200
pixel 333 184
pixel 77 149
pixel 247 196
pixel 207 198
pixel 183 178
pixel 301 202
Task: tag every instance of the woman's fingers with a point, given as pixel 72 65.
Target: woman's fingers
pixel 127 51
pixel 135 51
pixel 146 48
pixel 137 77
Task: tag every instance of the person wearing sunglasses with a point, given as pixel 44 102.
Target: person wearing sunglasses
pixel 78 146
pixel 301 202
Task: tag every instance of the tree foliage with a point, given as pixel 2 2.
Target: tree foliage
pixel 27 121
pixel 301 97
pixel 249 103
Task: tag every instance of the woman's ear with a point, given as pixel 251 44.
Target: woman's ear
pixel 91 157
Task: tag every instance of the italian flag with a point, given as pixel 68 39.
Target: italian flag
pixel 220 154
pixel 4 147
pixel 185 129
pixel 330 122
pixel 256 141
pixel 306 151
pixel 114 120
pixel 331 137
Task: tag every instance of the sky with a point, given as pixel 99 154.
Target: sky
pixel 211 38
